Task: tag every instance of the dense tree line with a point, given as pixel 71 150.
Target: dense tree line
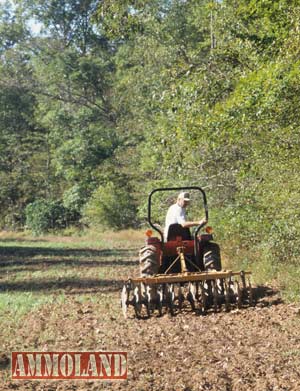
pixel 112 98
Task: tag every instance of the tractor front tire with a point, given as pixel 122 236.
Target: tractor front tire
pixel 148 261
pixel 212 257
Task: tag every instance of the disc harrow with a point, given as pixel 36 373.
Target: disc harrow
pixel 201 291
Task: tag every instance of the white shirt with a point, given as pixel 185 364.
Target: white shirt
pixel 175 215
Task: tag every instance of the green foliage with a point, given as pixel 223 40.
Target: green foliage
pixel 117 98
pixel 43 215
pixel 22 143
pixel 110 206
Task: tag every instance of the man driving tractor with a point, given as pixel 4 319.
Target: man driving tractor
pixel 177 215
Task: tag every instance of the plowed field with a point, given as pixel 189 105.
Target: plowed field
pixel 65 296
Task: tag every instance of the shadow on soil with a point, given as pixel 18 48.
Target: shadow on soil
pixel 35 265
pixel 29 252
pixel 67 284
pixel 16 259
pixel 23 257
pixel 266 296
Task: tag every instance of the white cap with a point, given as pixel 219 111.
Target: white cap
pixel 184 196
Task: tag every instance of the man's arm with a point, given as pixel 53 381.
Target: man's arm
pixel 188 224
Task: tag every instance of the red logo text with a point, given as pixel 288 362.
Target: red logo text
pixel 69 365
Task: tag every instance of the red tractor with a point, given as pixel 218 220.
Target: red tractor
pixel 180 267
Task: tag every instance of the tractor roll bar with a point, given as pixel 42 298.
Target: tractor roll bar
pixel 178 189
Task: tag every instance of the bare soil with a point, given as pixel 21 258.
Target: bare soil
pixel 255 348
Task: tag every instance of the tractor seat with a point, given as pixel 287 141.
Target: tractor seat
pixel 176 230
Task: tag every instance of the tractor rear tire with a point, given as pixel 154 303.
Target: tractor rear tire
pixel 212 257
pixel 148 261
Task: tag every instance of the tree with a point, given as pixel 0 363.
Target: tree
pixel 22 157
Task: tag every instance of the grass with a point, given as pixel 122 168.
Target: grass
pixel 52 271
pixel 266 269
pixel 15 304
pixel 288 277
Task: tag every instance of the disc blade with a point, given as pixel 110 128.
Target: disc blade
pixel 124 300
